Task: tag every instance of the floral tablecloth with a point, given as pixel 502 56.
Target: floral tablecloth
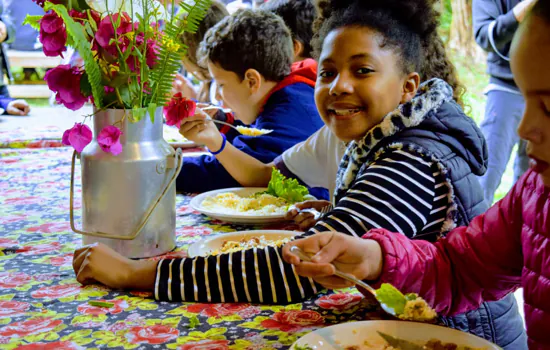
pixel 43 307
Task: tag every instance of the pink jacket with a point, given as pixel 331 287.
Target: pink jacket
pixel 506 248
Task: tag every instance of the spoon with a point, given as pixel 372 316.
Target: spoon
pixel 305 257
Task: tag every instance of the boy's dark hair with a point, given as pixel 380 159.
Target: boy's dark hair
pixel 298 16
pixel 408 26
pixel 216 13
pixel 249 39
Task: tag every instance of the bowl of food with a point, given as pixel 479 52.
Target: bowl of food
pixel 237 241
pixel 252 205
pixel 390 335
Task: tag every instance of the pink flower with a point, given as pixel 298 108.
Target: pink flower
pixel 64 80
pixel 339 301
pixel 13 308
pixel 109 139
pixel 178 109
pixel 53 34
pixel 32 326
pixel 155 334
pixel 294 321
pixel 106 32
pixel 58 345
pixel 81 17
pixel 206 345
pixel 56 292
pixel 79 136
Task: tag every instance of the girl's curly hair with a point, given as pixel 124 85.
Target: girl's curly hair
pixel 407 26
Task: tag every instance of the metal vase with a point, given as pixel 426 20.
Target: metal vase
pixel 129 200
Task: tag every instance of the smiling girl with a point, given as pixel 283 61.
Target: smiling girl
pixel 410 166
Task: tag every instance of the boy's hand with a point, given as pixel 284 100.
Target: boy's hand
pixel 201 131
pixel 359 257
pixel 18 107
pixel 183 85
pixel 98 263
pixel 522 9
pixel 306 220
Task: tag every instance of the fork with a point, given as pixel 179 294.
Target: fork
pixel 305 257
pixel 317 214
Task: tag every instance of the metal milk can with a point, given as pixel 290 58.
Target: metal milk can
pixel 129 200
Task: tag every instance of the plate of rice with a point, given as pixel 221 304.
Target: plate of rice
pixel 238 241
pixel 390 335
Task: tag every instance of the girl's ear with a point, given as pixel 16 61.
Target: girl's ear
pixel 298 49
pixel 410 87
pixel 253 80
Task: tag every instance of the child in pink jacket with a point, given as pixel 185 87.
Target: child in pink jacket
pixel 506 248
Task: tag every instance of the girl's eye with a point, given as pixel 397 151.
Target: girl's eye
pixel 326 74
pixel 364 71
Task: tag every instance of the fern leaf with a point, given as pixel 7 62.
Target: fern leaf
pixel 81 44
pixel 33 21
pixel 169 58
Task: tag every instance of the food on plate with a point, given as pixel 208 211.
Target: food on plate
pixel 280 194
pixel 256 204
pixel 400 344
pixel 247 243
pixel 408 307
pixel 252 131
pixel 172 134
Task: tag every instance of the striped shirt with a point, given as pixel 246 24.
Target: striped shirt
pixel 402 192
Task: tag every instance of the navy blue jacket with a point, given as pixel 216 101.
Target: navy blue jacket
pixel 290 112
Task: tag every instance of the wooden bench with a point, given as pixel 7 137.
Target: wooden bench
pixel 31 59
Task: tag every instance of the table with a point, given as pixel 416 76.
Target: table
pixel 42 306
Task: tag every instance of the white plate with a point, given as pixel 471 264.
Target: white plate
pixel 205 246
pixel 236 218
pixel 356 333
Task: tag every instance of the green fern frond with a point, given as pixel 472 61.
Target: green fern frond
pixel 81 44
pixel 169 60
pixel 33 21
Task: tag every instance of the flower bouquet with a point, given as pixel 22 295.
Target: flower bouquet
pixel 130 51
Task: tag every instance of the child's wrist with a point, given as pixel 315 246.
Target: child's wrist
pixel 142 275
pixel 218 145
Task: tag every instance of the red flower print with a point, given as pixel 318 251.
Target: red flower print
pixel 293 321
pixel 13 308
pixel 23 200
pixel 190 231
pixel 6 243
pixel 338 301
pixel 52 227
pixel 87 309
pixel 156 334
pixel 218 310
pixel 13 279
pixel 206 345
pixel 45 277
pixel 28 327
pixel 62 260
pixel 185 209
pixel 58 345
pixel 39 248
pixel 56 292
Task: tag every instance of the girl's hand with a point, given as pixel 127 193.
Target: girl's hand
pixel 97 263
pixel 201 131
pixel 306 220
pixel 359 257
pixel 18 107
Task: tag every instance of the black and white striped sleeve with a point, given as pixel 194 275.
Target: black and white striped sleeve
pixel 397 193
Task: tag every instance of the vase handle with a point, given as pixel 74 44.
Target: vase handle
pixel 178 156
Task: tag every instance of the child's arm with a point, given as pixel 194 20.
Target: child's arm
pixel 481 262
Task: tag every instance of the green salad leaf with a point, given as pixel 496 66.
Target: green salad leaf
pixel 391 297
pixel 287 189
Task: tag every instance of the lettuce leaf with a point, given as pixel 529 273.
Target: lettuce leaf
pixel 391 297
pixel 287 189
